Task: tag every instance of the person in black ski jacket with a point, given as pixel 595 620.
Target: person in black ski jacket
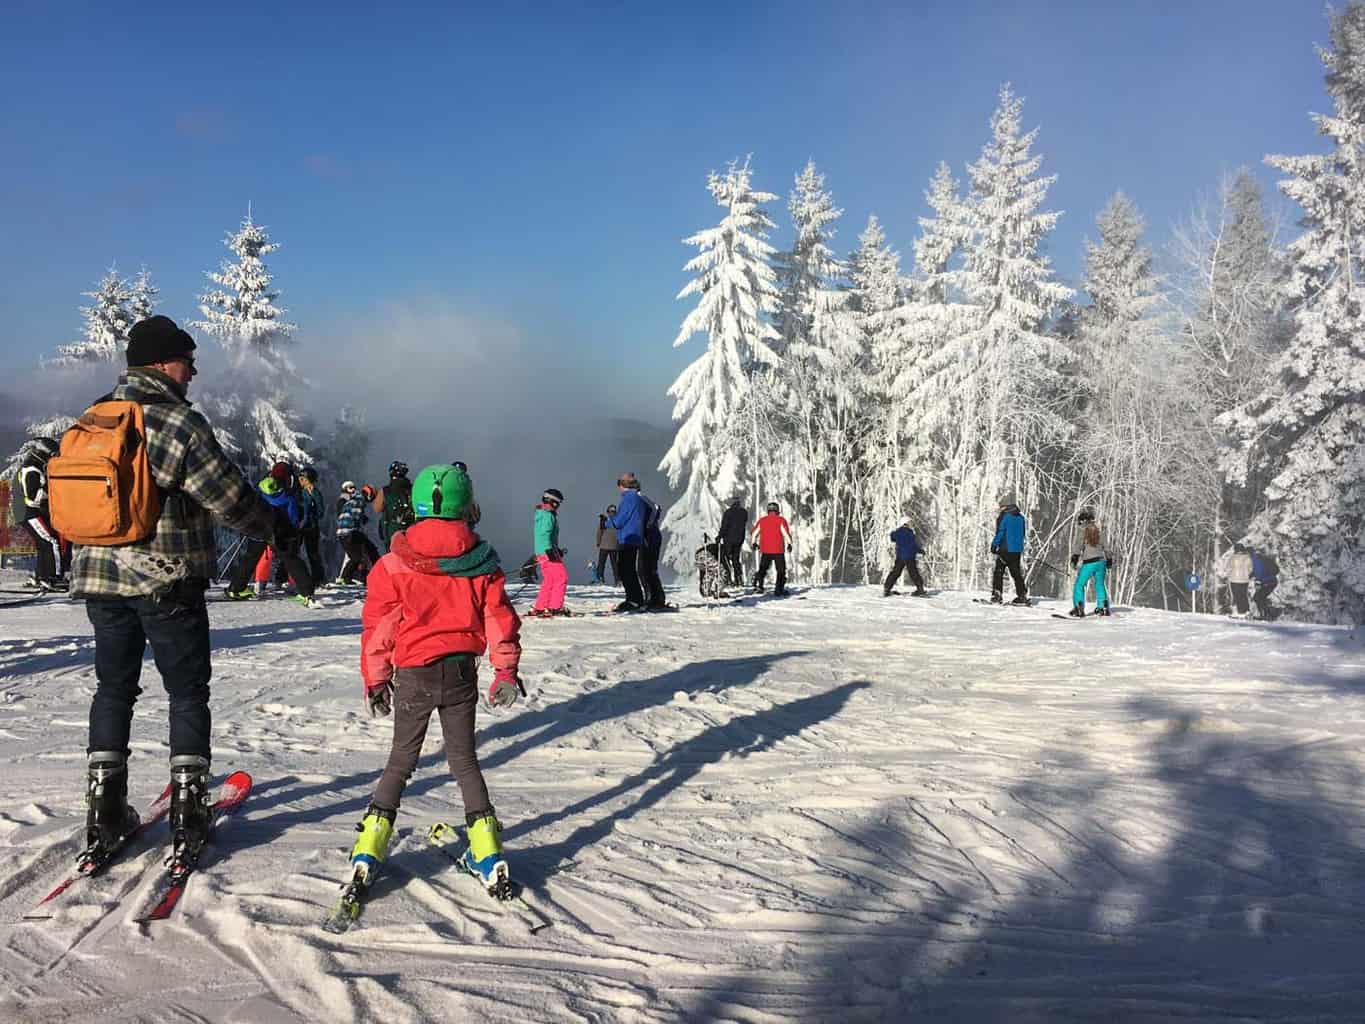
pixel 54 554
pixel 733 530
pixel 393 504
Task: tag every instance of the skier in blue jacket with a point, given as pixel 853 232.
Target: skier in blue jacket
pixel 1008 547
pixel 630 523
pixel 907 550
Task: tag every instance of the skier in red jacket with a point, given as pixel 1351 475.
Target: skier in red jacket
pixel 433 604
pixel 774 540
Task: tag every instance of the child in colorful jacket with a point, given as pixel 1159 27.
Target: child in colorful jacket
pixel 435 603
pixel 554 575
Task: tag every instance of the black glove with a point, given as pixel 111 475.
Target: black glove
pixel 555 555
pixel 1075 559
pixel 379 699
pixel 1109 563
pixel 789 549
pixel 995 549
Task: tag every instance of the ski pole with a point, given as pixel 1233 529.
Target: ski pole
pixel 227 558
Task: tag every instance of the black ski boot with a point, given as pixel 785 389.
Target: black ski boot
pixel 189 807
pixel 108 818
pixel 1103 609
pixel 996 598
pixel 1077 611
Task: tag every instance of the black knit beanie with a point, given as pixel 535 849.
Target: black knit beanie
pixel 158 339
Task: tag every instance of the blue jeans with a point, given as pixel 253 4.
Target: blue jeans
pixel 177 627
pixel 1089 571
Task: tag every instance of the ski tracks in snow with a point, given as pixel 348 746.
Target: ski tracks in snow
pixel 838 808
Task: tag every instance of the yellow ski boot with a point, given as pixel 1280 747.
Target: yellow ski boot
pixel 372 845
pixel 484 857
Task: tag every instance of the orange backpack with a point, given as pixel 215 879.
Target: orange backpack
pixel 100 486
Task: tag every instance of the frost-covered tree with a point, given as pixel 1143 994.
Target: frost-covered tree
pixel 256 420
pixel 993 391
pixel 1305 432
pixel 104 338
pixel 818 350
pixel 241 311
pixel 1229 284
pixel 736 287
pixel 1128 421
pixel 875 295
pixel 142 297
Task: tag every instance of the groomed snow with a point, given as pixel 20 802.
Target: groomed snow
pixel 832 808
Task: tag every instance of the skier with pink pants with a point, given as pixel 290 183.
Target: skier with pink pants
pixel 553 573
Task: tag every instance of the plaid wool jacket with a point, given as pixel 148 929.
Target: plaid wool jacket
pixel 197 481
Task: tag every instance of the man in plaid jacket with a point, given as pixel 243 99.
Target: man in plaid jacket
pixel 152 591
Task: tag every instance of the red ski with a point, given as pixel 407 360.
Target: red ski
pixel 90 865
pixel 235 789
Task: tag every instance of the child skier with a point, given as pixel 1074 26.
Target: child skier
pixel 358 552
pixel 907 550
pixel 554 576
pixel 435 603
pixel 1090 559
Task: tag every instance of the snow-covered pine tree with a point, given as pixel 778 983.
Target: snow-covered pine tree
pixel 1230 282
pixel 105 336
pixel 924 388
pixel 1128 420
pixel 736 286
pixel 142 297
pixel 1305 433
pixel 241 311
pixel 255 419
pixel 994 389
pixel 813 379
pixel 875 295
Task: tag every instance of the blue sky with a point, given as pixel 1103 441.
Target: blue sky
pixel 536 166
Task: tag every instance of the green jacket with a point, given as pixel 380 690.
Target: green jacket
pixel 546 530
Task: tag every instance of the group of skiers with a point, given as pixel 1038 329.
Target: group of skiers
pixel 146 549
pixel 1241 567
pixel 629 537
pixel 719 563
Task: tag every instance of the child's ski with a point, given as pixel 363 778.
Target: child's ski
pixel 347 907
pixel 440 835
pixel 235 789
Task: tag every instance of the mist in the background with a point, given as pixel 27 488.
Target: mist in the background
pixel 527 406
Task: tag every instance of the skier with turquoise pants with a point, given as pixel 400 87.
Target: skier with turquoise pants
pixel 1091 560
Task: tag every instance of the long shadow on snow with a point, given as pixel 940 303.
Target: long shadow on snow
pixel 1234 891
pixel 79 650
pixel 549 725
pixel 741 737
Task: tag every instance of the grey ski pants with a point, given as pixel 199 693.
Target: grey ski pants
pixel 450 688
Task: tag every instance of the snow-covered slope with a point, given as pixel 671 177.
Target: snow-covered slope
pixel 833 808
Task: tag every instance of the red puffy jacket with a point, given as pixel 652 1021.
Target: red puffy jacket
pixel 437 592
pixel 770 529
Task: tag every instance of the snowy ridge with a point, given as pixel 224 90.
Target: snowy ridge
pixel 838 808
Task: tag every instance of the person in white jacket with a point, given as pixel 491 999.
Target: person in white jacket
pixel 1238 572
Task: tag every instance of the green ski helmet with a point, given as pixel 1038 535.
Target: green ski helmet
pixel 442 492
